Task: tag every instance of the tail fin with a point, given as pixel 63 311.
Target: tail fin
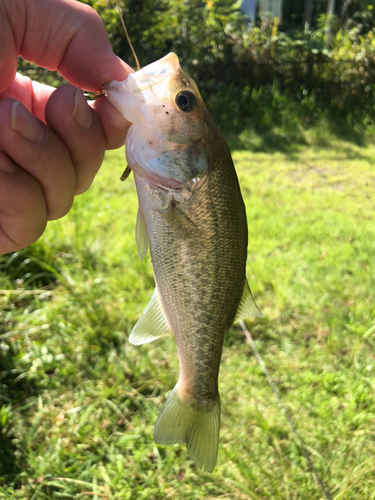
pixel 194 422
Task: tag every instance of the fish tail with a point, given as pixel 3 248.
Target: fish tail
pixel 195 422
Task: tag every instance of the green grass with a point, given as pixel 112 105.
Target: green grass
pixel 78 402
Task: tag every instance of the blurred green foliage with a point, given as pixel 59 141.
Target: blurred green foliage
pixel 256 75
pixel 42 75
pixel 252 75
pixel 216 45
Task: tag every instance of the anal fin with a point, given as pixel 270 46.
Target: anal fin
pixel 247 307
pixel 151 325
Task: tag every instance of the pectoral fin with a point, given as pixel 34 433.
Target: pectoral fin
pixel 247 307
pixel 151 325
pixel 141 237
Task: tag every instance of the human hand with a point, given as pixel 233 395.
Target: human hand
pixel 52 142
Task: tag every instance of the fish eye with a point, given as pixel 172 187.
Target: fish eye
pixel 186 101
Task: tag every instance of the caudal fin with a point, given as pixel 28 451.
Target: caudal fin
pixel 193 422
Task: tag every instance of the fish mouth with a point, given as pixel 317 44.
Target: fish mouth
pixel 145 86
pixel 151 82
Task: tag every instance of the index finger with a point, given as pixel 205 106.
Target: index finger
pixel 62 35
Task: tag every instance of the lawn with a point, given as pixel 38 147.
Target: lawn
pixel 78 403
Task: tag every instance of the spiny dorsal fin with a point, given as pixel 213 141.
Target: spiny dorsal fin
pixel 151 325
pixel 141 237
pixel 247 307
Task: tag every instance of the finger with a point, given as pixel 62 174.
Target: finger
pixel 114 124
pixel 23 214
pixel 69 115
pixel 8 53
pixel 32 94
pixel 62 35
pixel 38 150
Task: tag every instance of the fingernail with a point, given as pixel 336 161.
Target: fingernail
pixel 26 124
pixel 82 112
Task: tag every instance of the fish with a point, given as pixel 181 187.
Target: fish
pixel 192 217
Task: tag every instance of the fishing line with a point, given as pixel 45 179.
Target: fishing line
pixel 92 96
pixel 127 36
pixel 284 410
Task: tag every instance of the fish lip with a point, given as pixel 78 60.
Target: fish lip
pixel 150 82
pixel 144 86
pixel 155 71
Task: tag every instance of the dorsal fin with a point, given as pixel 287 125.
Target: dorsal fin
pixel 247 307
pixel 152 324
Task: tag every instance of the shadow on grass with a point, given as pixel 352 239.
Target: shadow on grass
pixel 269 119
pixel 264 142
pixel 350 144
pixel 9 464
pixel 20 272
pixel 14 393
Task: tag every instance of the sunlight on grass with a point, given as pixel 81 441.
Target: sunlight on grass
pixel 78 402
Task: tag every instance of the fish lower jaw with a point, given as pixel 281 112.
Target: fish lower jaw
pixel 140 168
pixel 178 189
pixel 161 164
pixel 175 192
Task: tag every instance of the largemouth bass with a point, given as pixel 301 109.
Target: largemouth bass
pixel 192 217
